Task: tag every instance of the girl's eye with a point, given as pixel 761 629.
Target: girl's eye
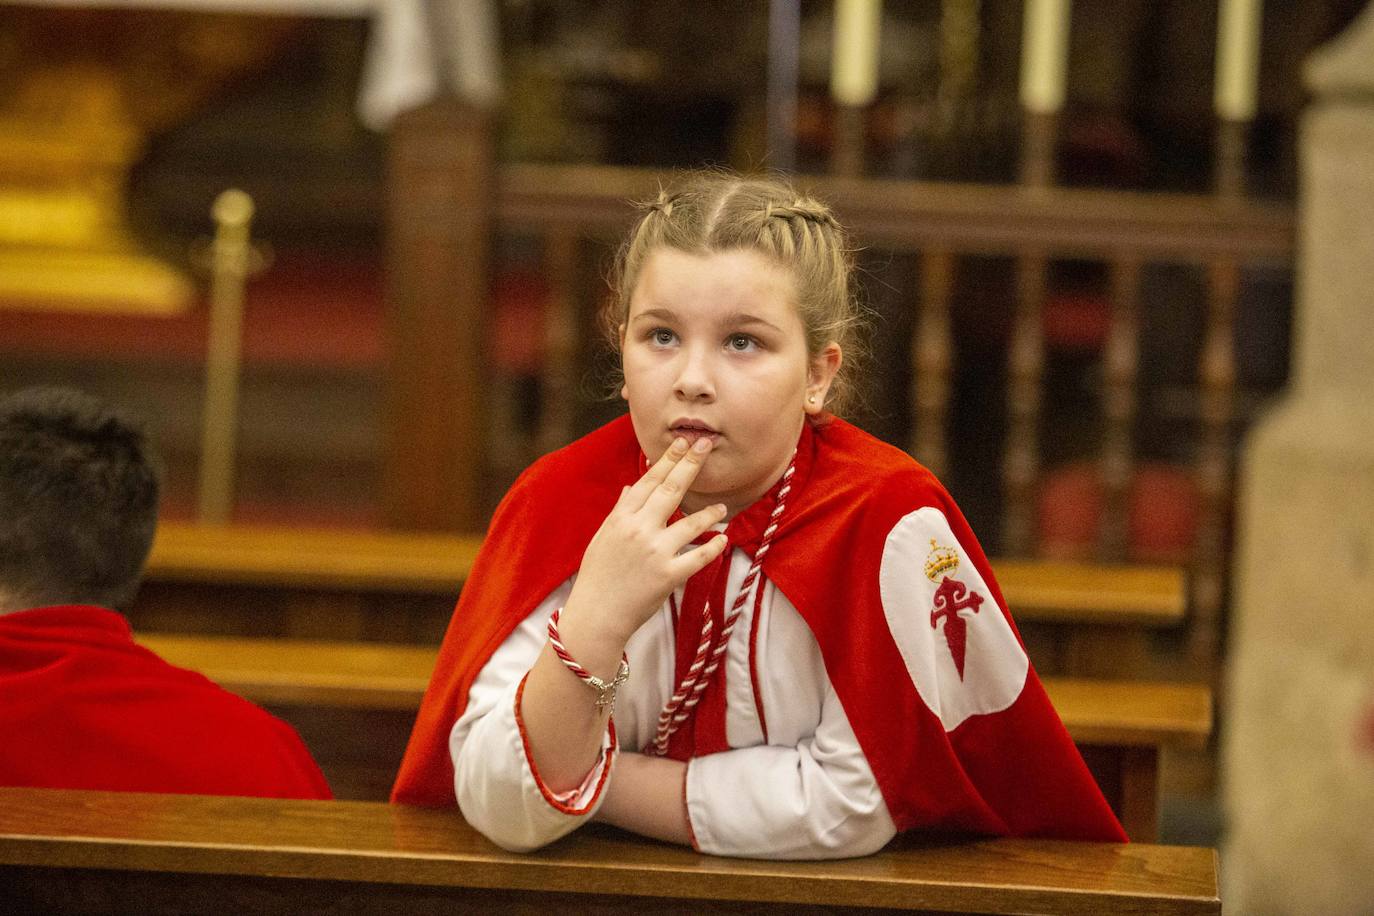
pixel 662 336
pixel 740 343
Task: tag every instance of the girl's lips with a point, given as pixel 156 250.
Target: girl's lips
pixel 693 433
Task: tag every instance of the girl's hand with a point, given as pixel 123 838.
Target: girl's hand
pixel 633 564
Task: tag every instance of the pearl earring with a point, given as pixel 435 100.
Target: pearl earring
pixel 810 399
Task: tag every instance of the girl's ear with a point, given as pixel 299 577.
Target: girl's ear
pixel 824 366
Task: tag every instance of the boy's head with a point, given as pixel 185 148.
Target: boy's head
pixel 79 492
pixel 717 211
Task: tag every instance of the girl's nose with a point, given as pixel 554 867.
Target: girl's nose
pixel 695 380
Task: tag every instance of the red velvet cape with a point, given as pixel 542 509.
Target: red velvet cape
pixel 84 707
pixel 1015 772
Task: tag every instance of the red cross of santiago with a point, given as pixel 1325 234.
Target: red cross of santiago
pixel 950 598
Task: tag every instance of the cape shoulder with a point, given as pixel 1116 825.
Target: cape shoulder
pixel 857 491
pixel 866 482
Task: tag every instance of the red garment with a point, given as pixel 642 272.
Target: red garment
pixel 84 707
pixel 1010 772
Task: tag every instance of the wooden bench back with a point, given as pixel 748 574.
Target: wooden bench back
pixel 379 676
pixel 418 562
pixel 130 852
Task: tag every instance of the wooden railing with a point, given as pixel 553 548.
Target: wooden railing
pixel 98 852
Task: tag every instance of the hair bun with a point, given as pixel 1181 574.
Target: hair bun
pixel 662 204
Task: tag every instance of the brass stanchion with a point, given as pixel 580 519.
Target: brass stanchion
pixel 230 254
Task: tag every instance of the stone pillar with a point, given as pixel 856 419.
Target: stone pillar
pixel 1298 755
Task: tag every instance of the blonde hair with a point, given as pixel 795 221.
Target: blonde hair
pixel 713 211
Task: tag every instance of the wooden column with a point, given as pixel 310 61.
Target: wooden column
pixel 932 357
pixel 1216 384
pixel 1116 651
pixel 1039 138
pixel 1228 168
pixel 1217 378
pixel 559 397
pixel 1021 464
pixel 439 220
pixel 1026 361
pixel 1122 365
pixel 847 152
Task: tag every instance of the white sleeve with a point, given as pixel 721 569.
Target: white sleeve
pixel 817 800
pixel 497 787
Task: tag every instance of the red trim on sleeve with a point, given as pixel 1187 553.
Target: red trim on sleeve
pixel 754 659
pixel 549 795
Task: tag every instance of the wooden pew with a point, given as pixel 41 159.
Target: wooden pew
pixel 1076 618
pixel 95 852
pixel 312 558
pixel 1121 726
pixel 412 562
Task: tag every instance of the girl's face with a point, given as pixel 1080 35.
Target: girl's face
pixel 713 346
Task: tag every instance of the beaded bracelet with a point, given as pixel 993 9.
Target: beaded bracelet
pixel 605 690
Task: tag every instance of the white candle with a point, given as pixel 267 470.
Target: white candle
pixel 1238 38
pixel 854 53
pixel 1044 55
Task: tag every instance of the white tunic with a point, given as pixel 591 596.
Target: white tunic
pixel 807 793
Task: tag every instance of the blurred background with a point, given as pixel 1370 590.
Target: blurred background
pixel 1076 229
pixel 127 119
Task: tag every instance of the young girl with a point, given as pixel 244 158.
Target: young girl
pixel 731 619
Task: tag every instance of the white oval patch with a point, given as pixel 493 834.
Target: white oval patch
pixel 994 665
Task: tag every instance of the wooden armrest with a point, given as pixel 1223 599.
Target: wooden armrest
pixel 387 846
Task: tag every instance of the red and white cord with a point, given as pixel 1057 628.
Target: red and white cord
pixel 605 690
pixel 710 651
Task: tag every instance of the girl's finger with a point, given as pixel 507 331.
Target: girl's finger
pixel 698 558
pixel 664 499
pixel 684 530
pixel 657 473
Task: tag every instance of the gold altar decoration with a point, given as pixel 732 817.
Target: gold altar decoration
pixel 81 93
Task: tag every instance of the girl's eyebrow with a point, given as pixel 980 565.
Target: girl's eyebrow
pixel 744 318
pixel 734 319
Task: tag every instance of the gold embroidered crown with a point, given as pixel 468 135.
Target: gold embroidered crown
pixel 940 561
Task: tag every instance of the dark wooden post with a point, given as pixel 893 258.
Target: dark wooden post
pixel 932 360
pixel 1026 361
pixel 847 151
pixel 1121 370
pixel 439 221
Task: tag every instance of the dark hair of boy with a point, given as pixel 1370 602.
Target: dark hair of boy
pixel 79 490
